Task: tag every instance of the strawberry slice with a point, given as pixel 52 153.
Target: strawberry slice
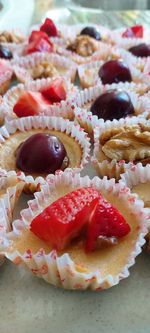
pixel 39 44
pixel 49 27
pixel 134 32
pixel 36 35
pixel 55 91
pixel 106 221
pixel 65 218
pixel 30 104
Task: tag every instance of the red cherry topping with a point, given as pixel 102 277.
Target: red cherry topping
pixel 114 71
pixel 41 153
pixel 141 50
pixel 114 104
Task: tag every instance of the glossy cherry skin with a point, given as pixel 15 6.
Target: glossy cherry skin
pixel 5 53
pixel 114 71
pixel 40 153
pixel 92 32
pixel 114 104
pixel 141 50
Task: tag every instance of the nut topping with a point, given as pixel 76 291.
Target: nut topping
pixel 127 143
pixel 83 45
pixel 44 70
pixel 10 37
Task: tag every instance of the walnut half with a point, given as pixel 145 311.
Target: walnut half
pixel 83 45
pixel 129 143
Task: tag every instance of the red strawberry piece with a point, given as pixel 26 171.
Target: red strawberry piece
pixel 106 221
pixel 65 218
pixel 30 104
pixel 55 91
pixel 134 32
pixel 49 27
pixel 39 45
pixel 36 35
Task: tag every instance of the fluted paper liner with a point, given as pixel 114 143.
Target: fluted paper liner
pixel 23 64
pixel 71 129
pixel 85 98
pixel 11 97
pixel 106 167
pixel 88 74
pixel 61 270
pixel 138 174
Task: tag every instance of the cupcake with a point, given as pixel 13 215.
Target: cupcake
pixel 138 180
pixel 103 102
pixel 37 97
pixel 43 65
pixel 79 256
pixel 120 144
pixel 109 72
pixel 41 145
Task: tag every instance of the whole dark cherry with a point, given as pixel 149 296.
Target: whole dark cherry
pixel 5 53
pixel 41 153
pixel 92 32
pixel 114 71
pixel 141 50
pixel 114 104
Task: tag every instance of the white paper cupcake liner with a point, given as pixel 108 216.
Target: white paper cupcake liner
pixel 106 167
pixel 138 174
pixel 85 98
pixel 24 64
pixel 71 129
pixel 61 270
pixel 88 74
pixel 11 97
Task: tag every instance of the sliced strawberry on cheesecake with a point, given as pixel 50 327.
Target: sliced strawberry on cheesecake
pixel 35 34
pixel 55 91
pixel 30 104
pixel 65 218
pixel 106 222
pixel 134 32
pixel 49 28
pixel 39 44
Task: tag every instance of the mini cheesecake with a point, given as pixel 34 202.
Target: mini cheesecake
pixel 73 267
pixel 119 144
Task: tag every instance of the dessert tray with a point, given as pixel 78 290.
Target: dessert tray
pixel 75 179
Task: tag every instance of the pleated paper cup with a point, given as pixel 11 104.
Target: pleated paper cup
pixel 104 165
pixel 88 74
pixel 86 97
pixel 5 78
pixel 24 65
pixel 11 97
pixel 137 178
pixel 78 148
pixel 74 269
